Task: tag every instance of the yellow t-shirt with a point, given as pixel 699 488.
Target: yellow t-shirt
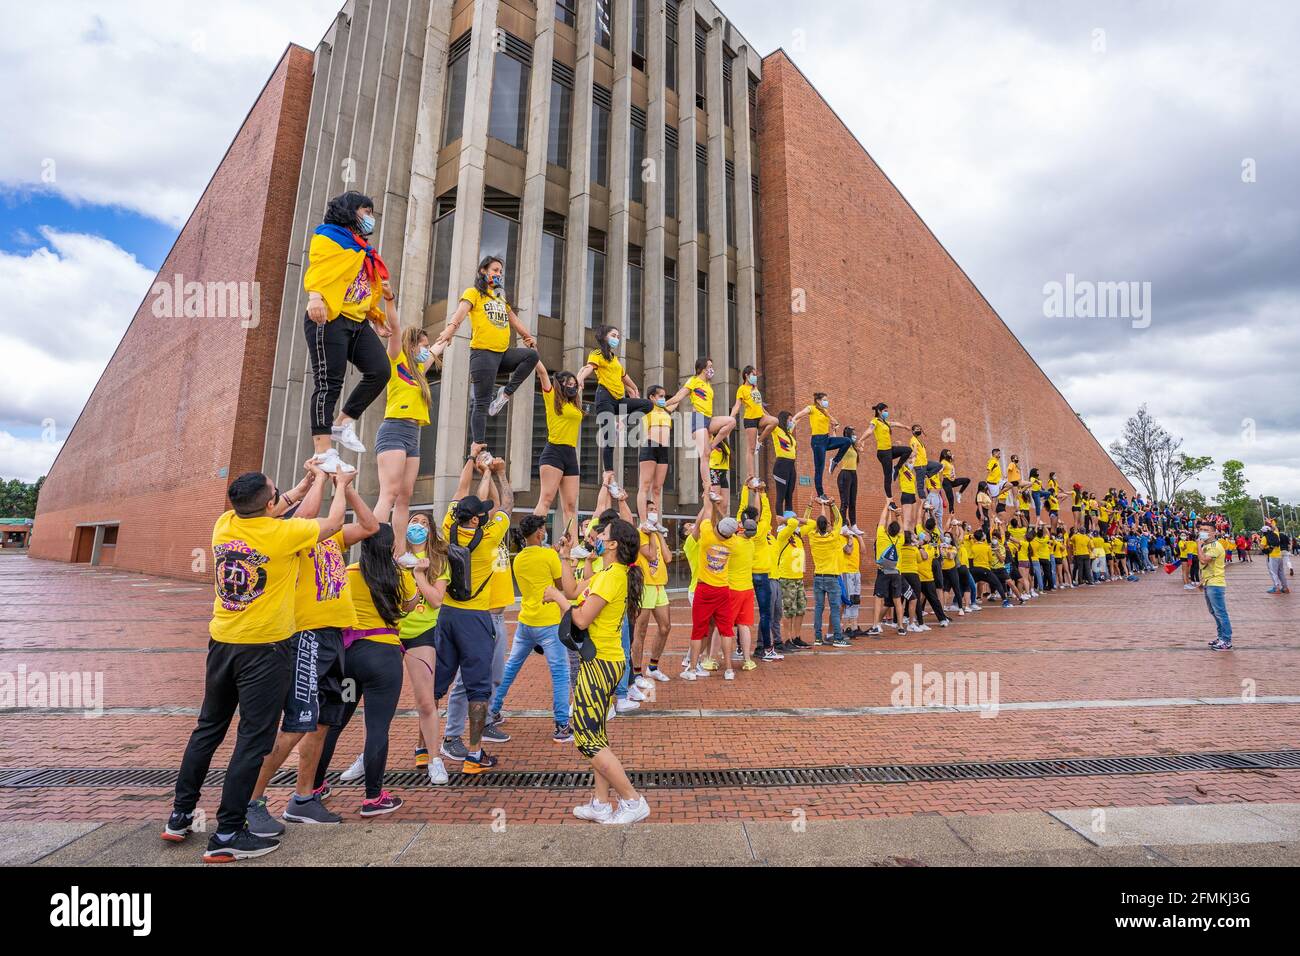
pixel 422 617
pixel 752 399
pixel 1013 472
pixel 720 458
pixel 658 417
pixel 887 546
pixel 1040 548
pixel 826 548
pixel 256 573
pixel 851 563
pixel 789 552
pixel 489 319
pixel 1212 574
pixel 740 569
pixel 924 563
pixel 606 630
pixel 782 443
pixel 994 468
pixel 405 400
pixel 1080 545
pixel 907 480
pixel 880 429
pixel 981 554
pixel 947 558
pixel 608 373
pixel 654 571
pixel 1058 547
pixel 918 450
pixel 908 557
pixel 819 423
pixel 536 569
pixel 561 427
pixel 502 589
pixel 1035 485
pixel 701 395
pixel 483 559
pixel 1053 504
pixel 715 556
pixel 322 598
pixel 850 460
pixel 963 552
pixel 368 618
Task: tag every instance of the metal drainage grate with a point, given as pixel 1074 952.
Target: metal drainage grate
pixel 110 777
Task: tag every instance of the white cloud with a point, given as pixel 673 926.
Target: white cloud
pixel 26 458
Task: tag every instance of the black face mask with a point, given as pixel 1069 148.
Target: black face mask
pixel 571 389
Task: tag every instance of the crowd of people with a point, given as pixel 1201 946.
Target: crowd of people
pixel 300 637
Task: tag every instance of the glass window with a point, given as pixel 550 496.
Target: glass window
pixel 731 210
pixel 454 113
pixel 634 299
pixel 566 12
pixel 508 112
pixel 701 74
pixel 557 140
pixel 670 180
pixel 701 195
pixel 588 455
pixel 670 61
pixel 595 288
pixel 604 22
pixel 599 144
pixel 550 299
pixel 441 273
pixel 726 98
pixel 670 313
pixel 429 433
pixel 702 315
pixel 501 238
pixel 638 33
pixel 733 352
pixel 635 157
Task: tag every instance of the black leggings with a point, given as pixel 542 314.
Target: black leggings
pixel 377 671
pixel 911 603
pixel 952 582
pixel 931 594
pixel 607 409
pixel 484 366
pixel 330 347
pixel 960 484
pixel 991 579
pixel 1046 565
pixel 1082 569
pixel 887 457
pixel 783 473
pixel 847 481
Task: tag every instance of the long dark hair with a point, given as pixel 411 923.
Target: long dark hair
pixel 342 209
pixel 559 398
pixel 602 341
pixel 627 551
pixel 783 419
pixel 379 571
pixel 480 280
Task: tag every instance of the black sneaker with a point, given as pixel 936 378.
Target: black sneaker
pixel 453 748
pixel 494 734
pixel 563 733
pixel 309 811
pixel 384 803
pixel 179 825
pixel 483 763
pixel 242 846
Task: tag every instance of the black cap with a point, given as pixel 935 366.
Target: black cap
pixel 472 506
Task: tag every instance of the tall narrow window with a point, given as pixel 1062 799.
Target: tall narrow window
pixel 557 139
pixel 443 226
pixel 636 156
pixel 702 314
pixel 595 279
pixel 604 22
pixel 508 110
pixel 453 116
pixel 566 11
pixel 701 65
pixel 731 203
pixel 670 50
pixel 550 297
pixel 600 110
pixel 701 189
pixel 638 34
pixel 733 351
pixel 670 305
pixel 670 172
pixel 727 59
pixel 501 234
pixel 634 318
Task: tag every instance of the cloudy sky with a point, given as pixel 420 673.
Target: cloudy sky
pixel 1149 143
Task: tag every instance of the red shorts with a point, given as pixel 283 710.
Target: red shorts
pixel 742 608
pixel 712 608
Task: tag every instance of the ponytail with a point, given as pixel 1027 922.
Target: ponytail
pixel 629 549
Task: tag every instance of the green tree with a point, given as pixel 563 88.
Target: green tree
pixel 1233 500
pixel 18 498
pixel 1191 499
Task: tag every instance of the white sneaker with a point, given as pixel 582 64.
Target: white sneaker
pixel 329 462
pixel 437 772
pixel 976 607
pixel 961 612
pixel 923 627
pixel 959 497
pixel 629 811
pixel 579 552
pixel 855 529
pixel 595 811
pixel 408 560
pixel 499 402
pixel 354 772
pixel 728 674
pixel 659 675
pixel 626 706
pixel 346 435
pixel 634 694
pixel 688 674
pixel 613 712
pixel 643 681
pixel 913 629
pixel 661 528
pixel 700 672
pixel 943 623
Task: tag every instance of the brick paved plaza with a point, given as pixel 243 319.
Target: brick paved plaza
pixel 1115 670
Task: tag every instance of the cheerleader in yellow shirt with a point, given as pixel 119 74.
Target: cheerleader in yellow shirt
pixel 616 393
pixel 347 289
pixel 708 431
pixel 820 424
pixel 558 465
pixel 890 456
pixel 491 321
pixel 654 458
pixel 756 418
pixel 397 446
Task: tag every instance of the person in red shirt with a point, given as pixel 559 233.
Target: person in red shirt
pixel 1243 547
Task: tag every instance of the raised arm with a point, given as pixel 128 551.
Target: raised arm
pixel 543 379
pixel 457 317
pixel 315 491
pixel 332 524
pixel 365 524
pixel 506 499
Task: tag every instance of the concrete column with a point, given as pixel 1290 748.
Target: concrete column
pixel 97 546
pixel 579 219
pixel 746 242
pixel 466 241
pixel 652 281
pixel 620 148
pixel 528 266
pixel 688 246
pixel 718 332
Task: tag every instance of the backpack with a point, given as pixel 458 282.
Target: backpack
pixel 460 567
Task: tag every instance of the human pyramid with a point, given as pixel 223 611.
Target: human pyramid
pixel 300 637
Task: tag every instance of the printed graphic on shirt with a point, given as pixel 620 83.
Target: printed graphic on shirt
pixel 240 577
pixel 496 312
pixel 405 374
pixel 331 570
pixel 359 290
pixel 785 443
pixel 717 558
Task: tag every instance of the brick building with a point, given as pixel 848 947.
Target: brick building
pixel 561 142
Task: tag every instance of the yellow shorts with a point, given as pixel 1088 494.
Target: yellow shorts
pixel 653 596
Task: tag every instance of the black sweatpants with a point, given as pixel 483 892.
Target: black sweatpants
pixel 376 670
pixel 930 594
pixel 608 411
pixel 949 484
pixel 783 474
pixel 887 457
pixel 847 482
pixel 484 366
pixel 253 678
pixel 330 347
pixel 991 579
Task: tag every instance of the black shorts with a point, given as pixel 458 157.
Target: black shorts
pixel 907 498
pixel 315 694
pixel 563 457
pixel 1075 510
pixel 752 422
pixel 888 587
pixel 659 454
pixel 424 639
pixel 719 477
pixel 1054 512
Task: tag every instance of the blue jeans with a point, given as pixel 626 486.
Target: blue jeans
pixel 968 584
pixel 557 659
pixel 1051 567
pixel 621 691
pixel 458 701
pixel 1038 574
pixel 1038 502
pixel 1216 599
pixel 763 594
pixel 826 589
pixel 821 444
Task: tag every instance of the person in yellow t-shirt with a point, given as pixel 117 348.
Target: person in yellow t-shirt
pixel 1013 472
pixel 1210 554
pixel 347 289
pixel 993 469
pixel 712 605
pixel 397 446
pixel 557 466
pixel 708 431
pixel 610 596
pixel 821 424
pixel 826 544
pixel 655 456
pixel 763 571
pixel 851 579
pixel 783 468
pixel 951 483
pixel 1081 553
pixel 788 562
pixel 756 418
pixel 616 393
pixel 655 557
pixel 491 320
pixel 890 456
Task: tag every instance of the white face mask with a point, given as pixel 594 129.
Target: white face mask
pixel 653 517
pixel 824 403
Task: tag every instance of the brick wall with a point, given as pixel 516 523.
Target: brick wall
pixel 181 407
pixel 889 315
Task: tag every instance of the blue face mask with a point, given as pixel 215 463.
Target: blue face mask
pixel 753 380
pixel 600 546
pixel 366 225
pixel 661 402
pixel 884 416
pixel 417 533
pixel 497 282
pixel 423 355
pixel 614 342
